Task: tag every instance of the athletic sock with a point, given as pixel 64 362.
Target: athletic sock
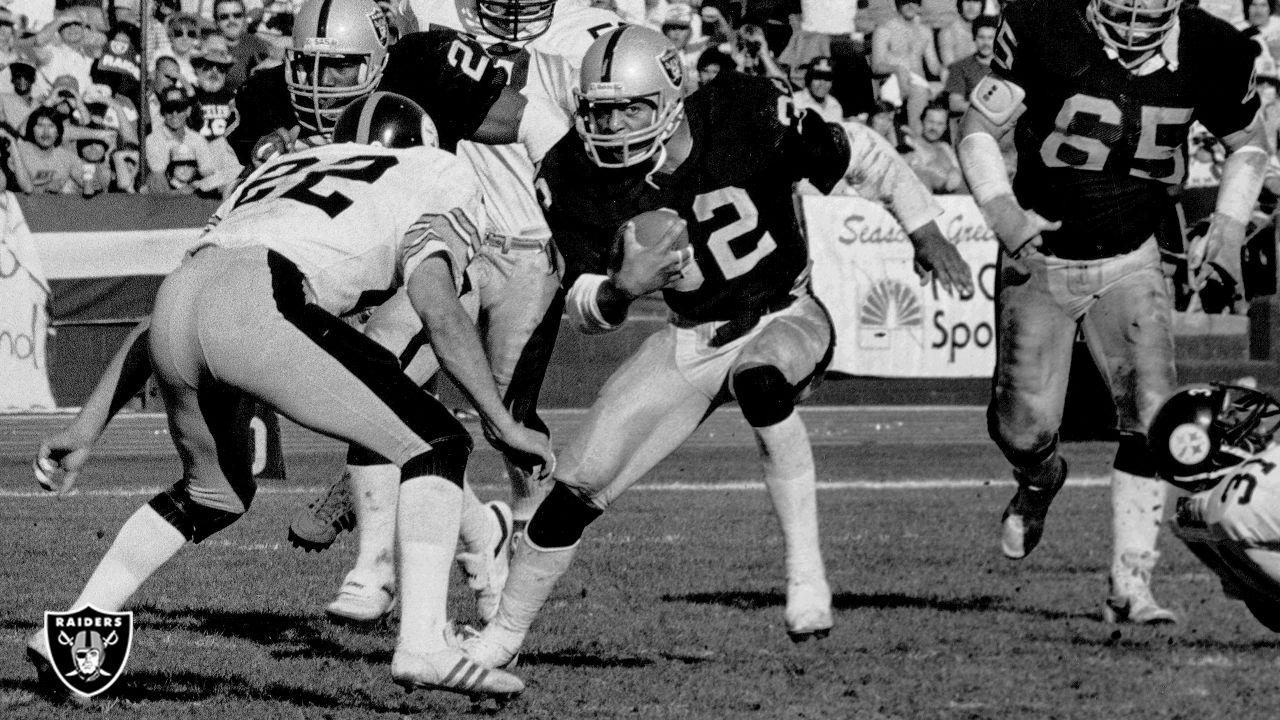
pixel 145 542
pixel 428 515
pixel 375 490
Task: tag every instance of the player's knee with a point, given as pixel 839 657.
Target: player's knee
pixel 195 521
pixel 561 518
pixel 1133 456
pixel 765 396
pixel 1023 447
pixel 447 458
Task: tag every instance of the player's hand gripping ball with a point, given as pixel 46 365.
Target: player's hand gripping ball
pixel 652 252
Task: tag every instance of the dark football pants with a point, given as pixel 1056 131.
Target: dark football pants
pixel 232 322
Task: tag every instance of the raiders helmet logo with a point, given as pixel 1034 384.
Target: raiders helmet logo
pixel 670 62
pixel 380 28
pixel 88 647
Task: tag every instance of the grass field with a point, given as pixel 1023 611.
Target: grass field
pixel 674 609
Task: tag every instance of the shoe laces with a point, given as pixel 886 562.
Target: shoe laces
pixel 335 503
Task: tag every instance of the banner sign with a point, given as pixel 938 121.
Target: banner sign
pixel 24 324
pixel 887 323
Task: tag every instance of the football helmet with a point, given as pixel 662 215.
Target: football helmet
pixel 1133 25
pixel 627 65
pixel 515 20
pixel 1203 431
pixel 388 120
pixel 338 54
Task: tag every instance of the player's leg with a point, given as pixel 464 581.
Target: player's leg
pixel 1129 330
pixel 775 366
pixel 643 413
pixel 1033 361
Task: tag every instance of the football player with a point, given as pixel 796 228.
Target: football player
pixel 516 282
pixel 1100 95
pixel 745 324
pixel 255 313
pixel 1217 442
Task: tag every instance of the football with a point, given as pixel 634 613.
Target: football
pixel 654 226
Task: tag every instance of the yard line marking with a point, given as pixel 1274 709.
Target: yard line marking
pixel 730 486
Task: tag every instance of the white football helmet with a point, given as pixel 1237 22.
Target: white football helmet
pixel 327 35
pixel 621 67
pixel 514 20
pixel 1133 25
pixel 1202 432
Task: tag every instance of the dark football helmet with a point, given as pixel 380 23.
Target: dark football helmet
pixel 515 20
pixel 388 120
pixel 1133 25
pixel 1203 431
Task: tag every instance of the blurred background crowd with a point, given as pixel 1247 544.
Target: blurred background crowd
pixel 82 112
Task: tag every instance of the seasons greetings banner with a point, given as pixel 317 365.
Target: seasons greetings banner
pixel 24 380
pixel 887 323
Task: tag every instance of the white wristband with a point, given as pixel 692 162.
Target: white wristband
pixel 583 309
pixel 1242 178
pixel 983 166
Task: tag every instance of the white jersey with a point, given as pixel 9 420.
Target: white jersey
pixel 356 219
pixel 547 68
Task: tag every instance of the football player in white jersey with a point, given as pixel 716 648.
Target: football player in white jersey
pixel 1217 442
pixel 516 281
pixel 254 313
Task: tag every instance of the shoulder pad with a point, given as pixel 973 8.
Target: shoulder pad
pixel 997 99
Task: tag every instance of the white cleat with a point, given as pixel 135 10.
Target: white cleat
pixel 808 613
pixel 452 671
pixel 1131 600
pixel 360 603
pixel 486 571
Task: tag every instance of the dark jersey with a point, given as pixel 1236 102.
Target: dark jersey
pixel 441 69
pixel 215 112
pixel 1099 146
pixel 734 190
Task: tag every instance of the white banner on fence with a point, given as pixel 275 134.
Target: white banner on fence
pixel 24 324
pixel 887 324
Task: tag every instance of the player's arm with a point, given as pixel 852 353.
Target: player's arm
pixel 891 181
pixel 599 303
pixel 994 108
pixel 62 455
pixel 1230 110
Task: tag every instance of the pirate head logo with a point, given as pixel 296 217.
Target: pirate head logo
pixel 671 67
pixel 380 27
pixel 88 648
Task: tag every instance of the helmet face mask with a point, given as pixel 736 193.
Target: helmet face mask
pixel 1202 432
pixel 515 20
pixel 338 54
pixel 629 68
pixel 1133 25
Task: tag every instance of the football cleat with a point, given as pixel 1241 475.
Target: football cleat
pixel 360 603
pixel 319 524
pixel 487 651
pixel 486 571
pixel 1022 524
pixel 808 613
pixel 452 671
pixel 1130 600
pixel 46 674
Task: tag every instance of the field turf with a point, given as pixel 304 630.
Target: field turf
pixel 674 608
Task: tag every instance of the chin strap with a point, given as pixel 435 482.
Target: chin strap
pixel 660 159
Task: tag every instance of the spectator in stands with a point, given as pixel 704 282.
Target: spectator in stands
pixel 184 37
pixel 62 48
pixel 124 169
pixel 717 28
pixel 277 25
pixel 816 94
pixel 166 76
pixel 902 48
pixel 175 107
pixel 678 27
pixel 48 163
pixel 1264 27
pixel 885 122
pixel 16 106
pixel 1268 92
pixel 754 57
pixel 120 66
pixel 932 157
pixel 9 52
pixel 215 108
pixel 109 112
pixel 964 74
pixel 249 51
pixel 64 98
pixel 956 39
pixel 711 64
pixel 93 172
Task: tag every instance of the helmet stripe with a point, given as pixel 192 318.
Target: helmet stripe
pixel 366 117
pixel 322 21
pixel 606 63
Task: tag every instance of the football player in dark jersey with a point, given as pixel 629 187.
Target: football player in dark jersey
pixel 1100 95
pixel 745 324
